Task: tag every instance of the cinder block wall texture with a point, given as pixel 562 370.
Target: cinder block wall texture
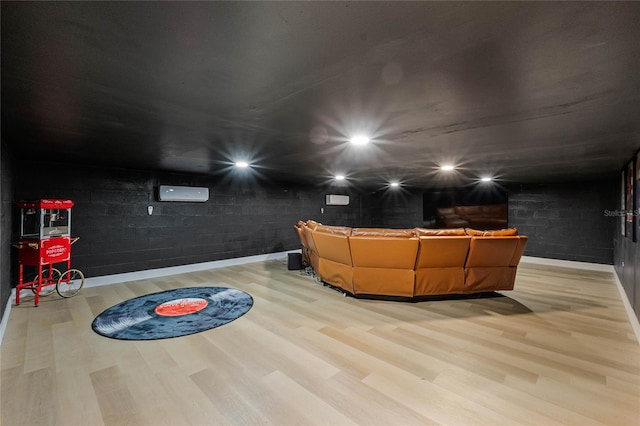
pixel 243 217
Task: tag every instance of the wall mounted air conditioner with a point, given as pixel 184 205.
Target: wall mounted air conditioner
pixel 337 200
pixel 192 194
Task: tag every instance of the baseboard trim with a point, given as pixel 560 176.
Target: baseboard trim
pixel 633 319
pixel 5 315
pixel 182 269
pixel 566 263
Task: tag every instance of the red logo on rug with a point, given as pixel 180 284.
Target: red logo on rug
pixel 177 307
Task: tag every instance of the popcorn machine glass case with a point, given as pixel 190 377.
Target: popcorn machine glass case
pixel 45 240
pixel 45 219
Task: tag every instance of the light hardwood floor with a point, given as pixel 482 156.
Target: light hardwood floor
pixel 558 349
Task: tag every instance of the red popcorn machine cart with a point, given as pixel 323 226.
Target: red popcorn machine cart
pixel 45 241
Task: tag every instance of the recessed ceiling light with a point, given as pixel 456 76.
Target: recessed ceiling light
pixel 394 184
pixel 359 140
pixel 339 177
pixel 447 167
pixel 242 164
pixel 486 179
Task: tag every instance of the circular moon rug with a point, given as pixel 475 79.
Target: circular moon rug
pixel 172 313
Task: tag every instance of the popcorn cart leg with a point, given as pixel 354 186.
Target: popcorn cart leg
pixel 39 284
pixel 19 287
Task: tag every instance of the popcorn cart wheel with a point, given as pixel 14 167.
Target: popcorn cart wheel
pixel 45 241
pixel 49 280
pixel 67 284
pixel 70 283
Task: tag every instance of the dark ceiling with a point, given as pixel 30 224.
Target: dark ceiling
pixel 528 92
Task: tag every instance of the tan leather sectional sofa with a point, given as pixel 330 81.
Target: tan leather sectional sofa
pixel 411 263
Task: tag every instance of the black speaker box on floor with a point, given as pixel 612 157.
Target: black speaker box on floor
pixel 295 261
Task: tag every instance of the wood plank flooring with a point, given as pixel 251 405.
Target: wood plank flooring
pixel 557 350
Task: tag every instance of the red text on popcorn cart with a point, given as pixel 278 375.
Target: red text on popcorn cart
pixel 55 250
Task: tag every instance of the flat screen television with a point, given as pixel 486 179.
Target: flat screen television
pixel 478 208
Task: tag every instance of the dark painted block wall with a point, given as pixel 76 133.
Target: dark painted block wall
pixel 626 256
pixel 6 191
pixel 627 265
pixel 565 221
pixel 242 217
pixel 396 208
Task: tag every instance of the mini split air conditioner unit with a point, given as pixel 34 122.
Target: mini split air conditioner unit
pixel 337 200
pixel 192 194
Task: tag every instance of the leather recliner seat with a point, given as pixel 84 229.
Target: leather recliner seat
pixel 334 265
pixel 383 261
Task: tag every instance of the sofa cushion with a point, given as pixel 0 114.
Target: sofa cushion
pixel 439 232
pixel 474 232
pixel 501 232
pixel 519 250
pixel 491 251
pixel 492 233
pixel 382 232
pixel 383 252
pixel 437 252
pixel 334 247
pixel 312 224
pixel 384 282
pixel 336 230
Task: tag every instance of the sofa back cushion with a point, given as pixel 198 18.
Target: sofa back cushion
pixel 517 255
pixel 303 238
pixel 312 224
pixel 382 232
pixel 437 252
pixel 383 252
pixel 336 230
pixel 501 232
pixel 492 233
pixel 332 246
pixel 308 237
pixel 444 232
pixel 492 251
